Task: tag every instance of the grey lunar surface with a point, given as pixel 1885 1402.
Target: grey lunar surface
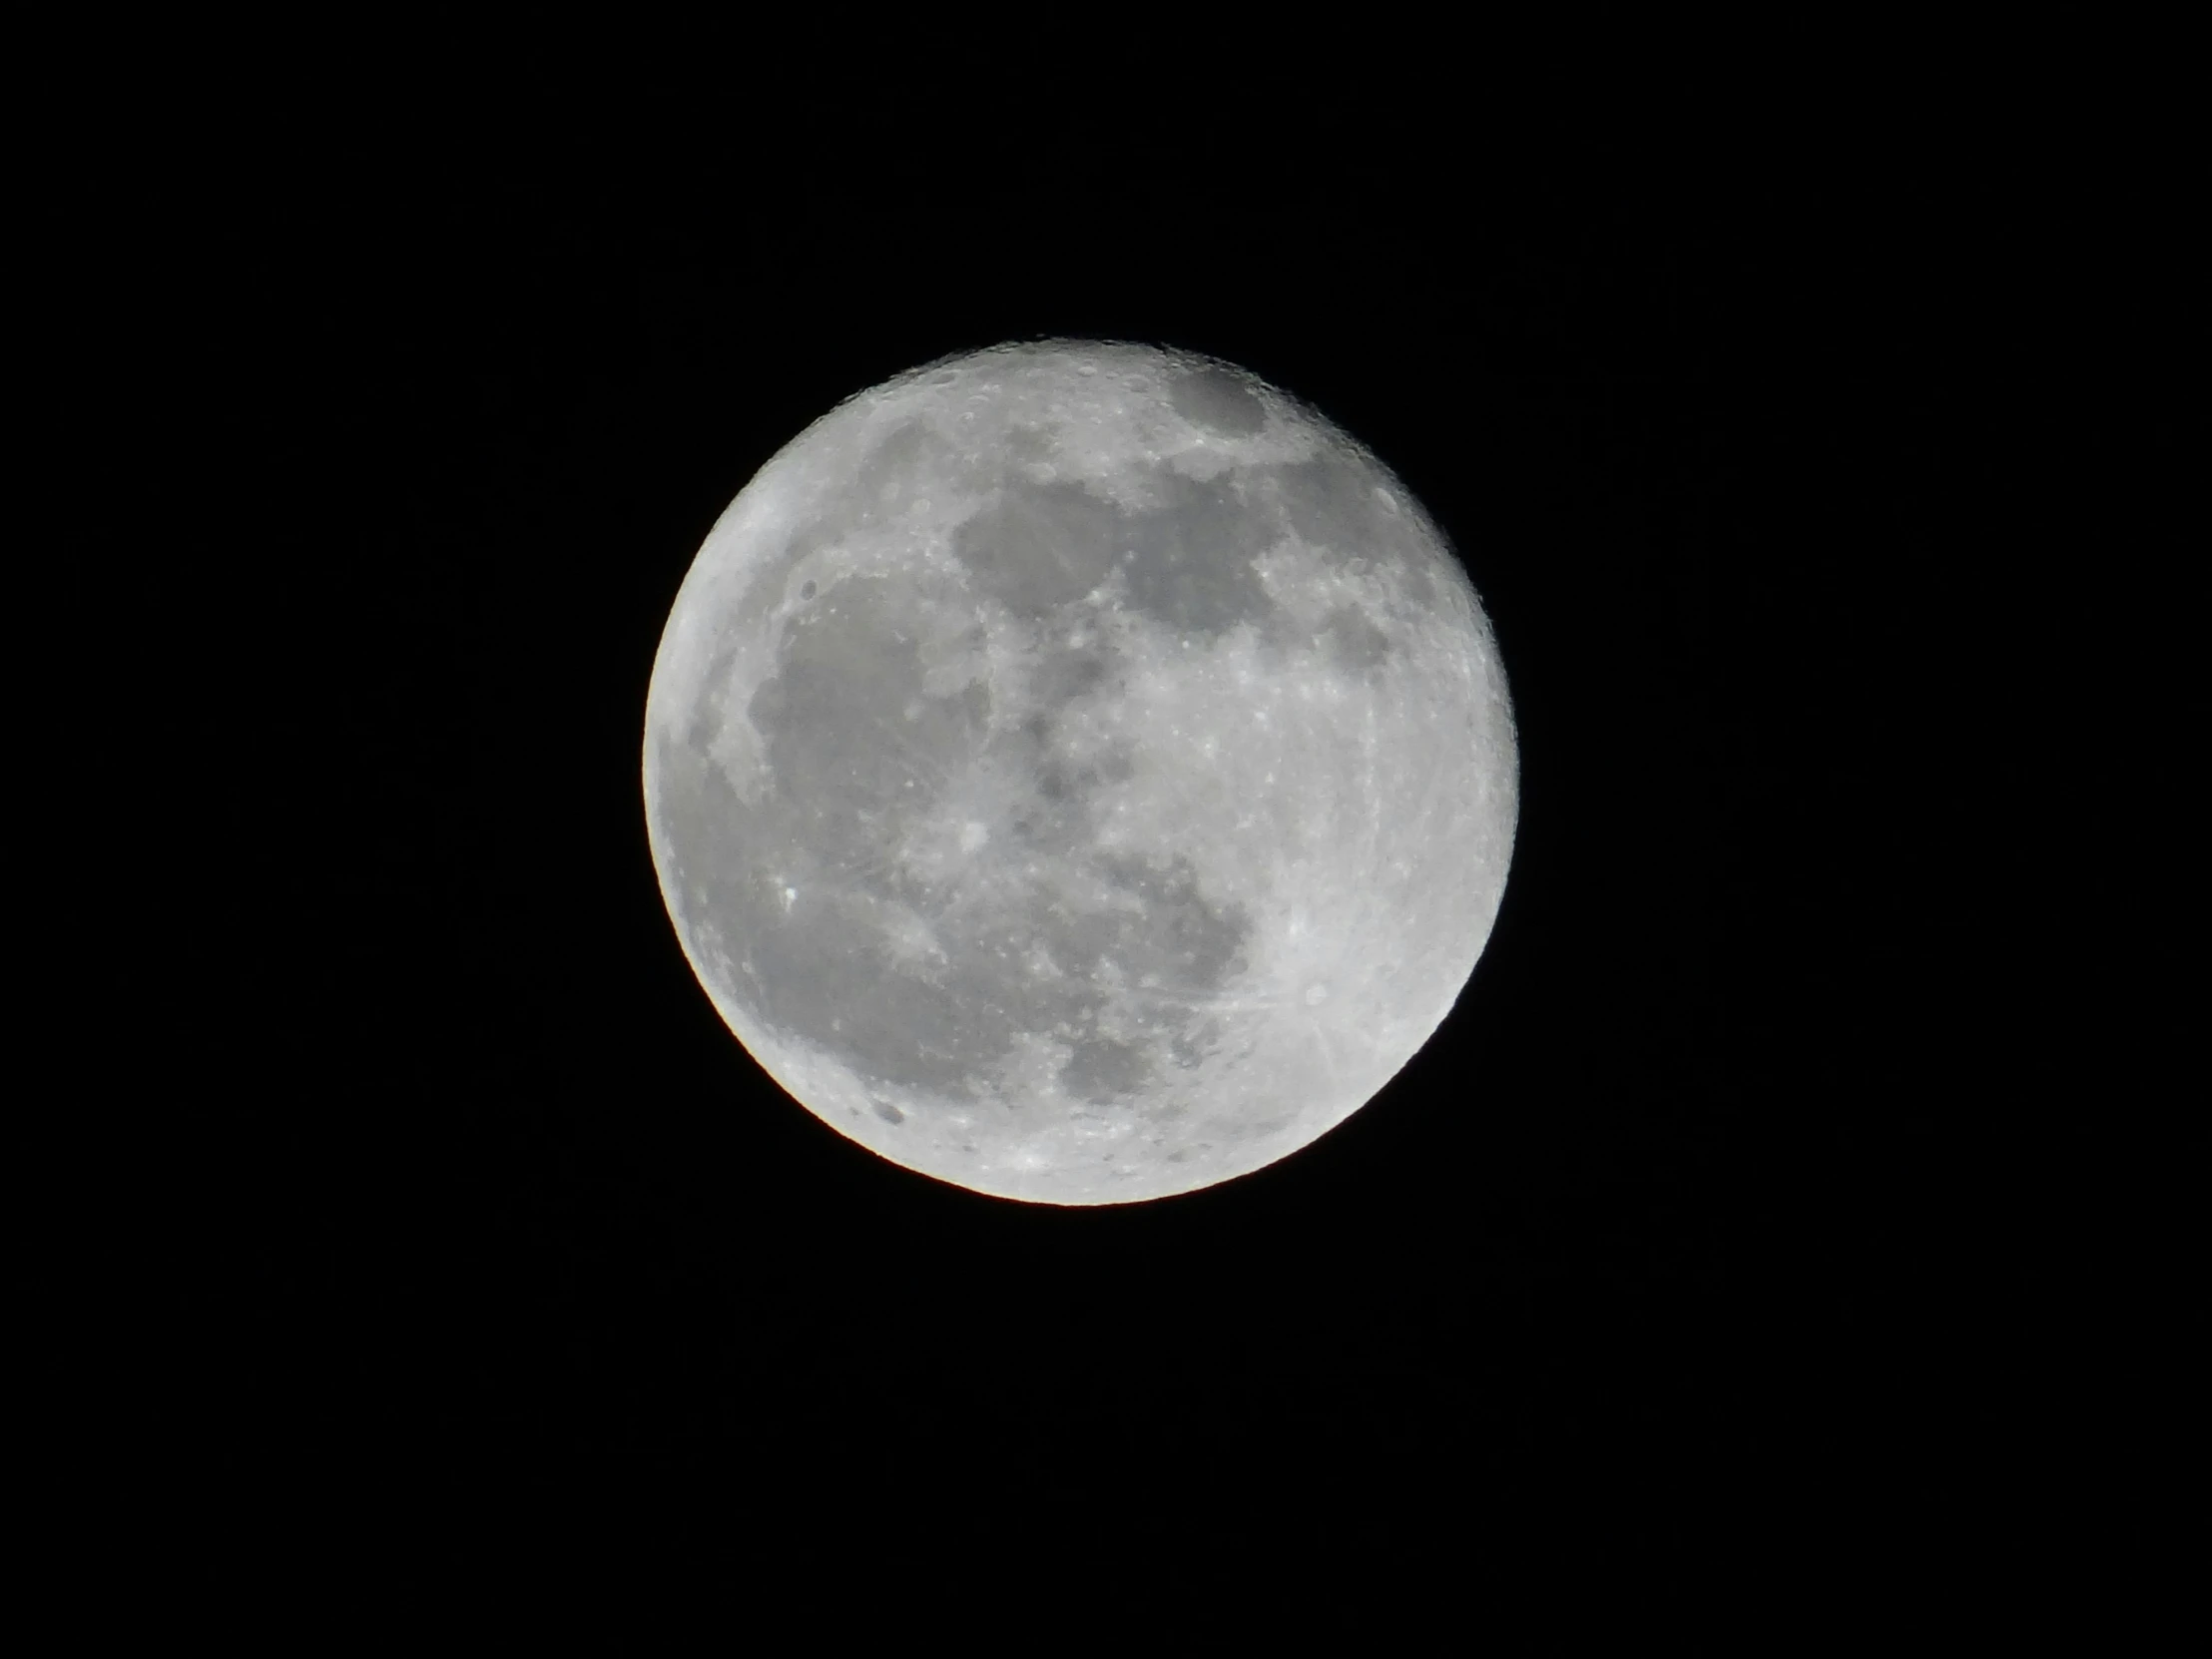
pixel 1079 773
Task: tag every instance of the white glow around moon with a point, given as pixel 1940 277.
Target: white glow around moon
pixel 1079 773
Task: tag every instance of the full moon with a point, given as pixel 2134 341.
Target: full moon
pixel 1079 772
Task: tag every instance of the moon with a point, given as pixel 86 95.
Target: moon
pixel 1080 772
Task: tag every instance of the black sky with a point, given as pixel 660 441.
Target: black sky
pixel 490 1200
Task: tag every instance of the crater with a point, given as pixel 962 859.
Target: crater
pixel 1216 399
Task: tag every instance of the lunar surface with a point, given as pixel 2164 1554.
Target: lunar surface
pixel 1080 772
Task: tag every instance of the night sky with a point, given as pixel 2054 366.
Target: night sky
pixel 1692 1200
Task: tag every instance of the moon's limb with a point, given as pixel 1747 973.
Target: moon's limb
pixel 1079 773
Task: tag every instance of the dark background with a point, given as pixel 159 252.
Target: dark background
pixel 1695 1197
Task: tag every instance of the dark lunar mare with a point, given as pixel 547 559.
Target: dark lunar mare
pixel 1217 398
pixel 1187 562
pixel 801 893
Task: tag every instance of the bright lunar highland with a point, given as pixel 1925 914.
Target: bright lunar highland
pixel 1080 772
